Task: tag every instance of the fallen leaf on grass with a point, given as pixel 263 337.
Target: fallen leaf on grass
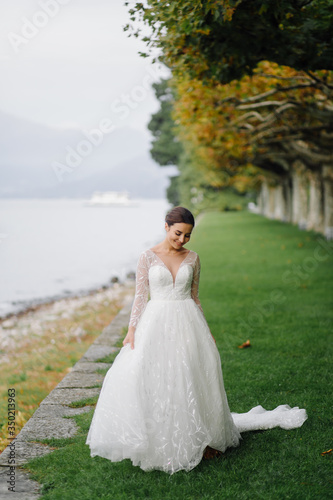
pixel 327 452
pixel 245 344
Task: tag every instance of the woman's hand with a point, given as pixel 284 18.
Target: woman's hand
pixel 129 339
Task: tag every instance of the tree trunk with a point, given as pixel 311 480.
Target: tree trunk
pixel 279 208
pixel 287 197
pixel 264 199
pixel 305 199
pixel 316 203
pixel 271 202
pixel 328 202
pixel 275 202
pixel 300 197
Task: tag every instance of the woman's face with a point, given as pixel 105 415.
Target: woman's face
pixel 178 234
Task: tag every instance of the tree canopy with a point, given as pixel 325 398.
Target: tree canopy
pixel 225 39
pixel 270 119
pixel 166 149
pixel 251 94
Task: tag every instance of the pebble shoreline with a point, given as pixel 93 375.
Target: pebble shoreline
pixel 33 321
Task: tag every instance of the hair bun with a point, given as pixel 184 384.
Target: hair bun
pixel 179 215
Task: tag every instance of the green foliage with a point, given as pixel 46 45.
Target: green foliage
pixel 103 371
pixel 165 146
pixel 172 192
pixel 17 378
pixel 192 187
pixel 235 106
pixel 109 358
pixel 226 39
pixel 84 402
pixel 244 258
pixel 198 193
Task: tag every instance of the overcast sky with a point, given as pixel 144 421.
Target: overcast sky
pixel 68 63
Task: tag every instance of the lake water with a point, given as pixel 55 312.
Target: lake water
pixel 60 247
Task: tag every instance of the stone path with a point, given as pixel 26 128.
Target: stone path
pixel 48 421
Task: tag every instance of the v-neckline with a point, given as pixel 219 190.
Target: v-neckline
pixel 164 264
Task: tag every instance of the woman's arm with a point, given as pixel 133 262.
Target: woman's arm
pixel 140 299
pixel 195 285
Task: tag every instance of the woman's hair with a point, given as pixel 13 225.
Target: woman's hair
pixel 179 214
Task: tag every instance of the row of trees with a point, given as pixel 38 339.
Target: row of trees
pixel 249 107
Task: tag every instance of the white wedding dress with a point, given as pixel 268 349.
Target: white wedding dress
pixel 164 401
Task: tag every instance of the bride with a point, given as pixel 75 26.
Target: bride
pixel 163 404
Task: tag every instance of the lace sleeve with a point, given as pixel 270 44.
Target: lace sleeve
pixel 195 283
pixel 141 290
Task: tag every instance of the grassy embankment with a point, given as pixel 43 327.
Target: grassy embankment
pixel 44 349
pixel 271 283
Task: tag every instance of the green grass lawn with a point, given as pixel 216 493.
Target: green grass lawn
pixel 270 283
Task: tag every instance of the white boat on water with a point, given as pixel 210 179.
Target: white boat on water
pixel 111 198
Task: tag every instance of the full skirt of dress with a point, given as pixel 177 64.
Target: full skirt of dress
pixel 164 402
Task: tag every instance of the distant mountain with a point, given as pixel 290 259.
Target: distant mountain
pixel 141 177
pixel 40 161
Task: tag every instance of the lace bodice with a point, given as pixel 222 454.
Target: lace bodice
pixel 154 278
